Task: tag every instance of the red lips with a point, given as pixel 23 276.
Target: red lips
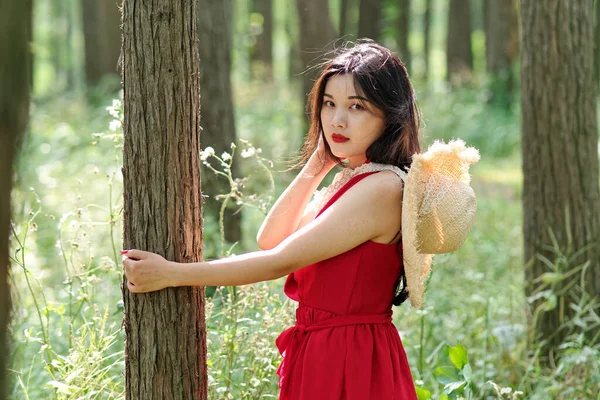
pixel 336 137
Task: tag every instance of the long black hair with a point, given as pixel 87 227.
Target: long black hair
pixel 381 77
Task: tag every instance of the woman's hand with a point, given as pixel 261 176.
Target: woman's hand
pixel 147 272
pixel 320 160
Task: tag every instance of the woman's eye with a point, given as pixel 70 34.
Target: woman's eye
pixel 328 103
pixel 357 106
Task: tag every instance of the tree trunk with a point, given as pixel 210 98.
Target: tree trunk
pixel 102 36
pixel 501 48
pixel 459 57
pixel 165 333
pixel 560 154
pixel 316 38
pixel 369 21
pixel 597 41
pixel 218 122
pixel 15 23
pixel 404 32
pixel 263 49
pixel 343 17
pixel 426 37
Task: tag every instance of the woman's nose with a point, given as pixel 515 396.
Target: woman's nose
pixel 338 120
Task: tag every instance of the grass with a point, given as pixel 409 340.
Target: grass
pixel 471 340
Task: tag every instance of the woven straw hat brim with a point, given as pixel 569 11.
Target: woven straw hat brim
pixel 438 209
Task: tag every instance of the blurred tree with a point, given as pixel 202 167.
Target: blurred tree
pixel 597 41
pixel 343 17
pixel 369 23
pixel 459 57
pixel 426 37
pixel 292 29
pixel 501 48
pixel 263 48
pixel 165 332
pixel 218 122
pixel 102 35
pixel 15 23
pixel 560 159
pixel 316 37
pixel 403 33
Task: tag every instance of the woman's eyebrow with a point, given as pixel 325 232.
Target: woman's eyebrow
pixel 349 97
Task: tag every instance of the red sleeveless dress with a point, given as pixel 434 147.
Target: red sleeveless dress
pixel 344 345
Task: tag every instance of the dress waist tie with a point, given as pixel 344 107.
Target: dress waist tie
pixel 290 341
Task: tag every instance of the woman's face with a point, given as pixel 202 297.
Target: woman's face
pixel 350 122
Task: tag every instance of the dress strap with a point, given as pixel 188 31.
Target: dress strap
pixel 344 189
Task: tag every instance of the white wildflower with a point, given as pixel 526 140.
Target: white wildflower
pixel 114 125
pixel 114 110
pixel 226 156
pixel 207 152
pixel 249 152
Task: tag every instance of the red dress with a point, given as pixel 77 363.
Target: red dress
pixel 344 345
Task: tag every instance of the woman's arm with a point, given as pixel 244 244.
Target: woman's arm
pixel 288 212
pixel 369 210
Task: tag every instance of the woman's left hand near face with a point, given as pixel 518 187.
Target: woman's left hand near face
pixel 145 271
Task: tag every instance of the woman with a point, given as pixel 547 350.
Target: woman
pixel 342 252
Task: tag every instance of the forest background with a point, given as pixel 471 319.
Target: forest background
pixel 477 336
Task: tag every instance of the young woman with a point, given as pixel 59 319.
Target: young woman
pixel 342 251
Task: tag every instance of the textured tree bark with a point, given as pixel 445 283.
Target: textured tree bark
pixel 560 148
pixel 15 23
pixel 501 48
pixel 263 49
pixel 218 123
pixel 369 22
pixel 426 37
pixel 316 38
pixel 403 33
pixel 102 36
pixel 459 57
pixel 165 333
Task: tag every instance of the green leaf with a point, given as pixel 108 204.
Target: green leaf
pixel 552 277
pixel 443 397
pixel 446 374
pixel 550 304
pixel 422 393
pixel 467 372
pixel 451 387
pixel 458 356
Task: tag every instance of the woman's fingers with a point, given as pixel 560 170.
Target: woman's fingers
pixel 136 254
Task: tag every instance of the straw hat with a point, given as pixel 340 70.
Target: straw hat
pixel 438 209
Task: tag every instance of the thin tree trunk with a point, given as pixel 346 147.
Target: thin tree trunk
pixel 560 154
pixel 343 17
pixel 597 41
pixel 56 43
pixel 102 35
pixel 263 49
pixel 369 22
pixel 404 32
pixel 501 48
pixel 218 122
pixel 459 57
pixel 165 333
pixel 292 28
pixel 316 37
pixel 15 23
pixel 426 37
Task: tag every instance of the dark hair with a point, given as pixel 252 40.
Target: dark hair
pixel 381 78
